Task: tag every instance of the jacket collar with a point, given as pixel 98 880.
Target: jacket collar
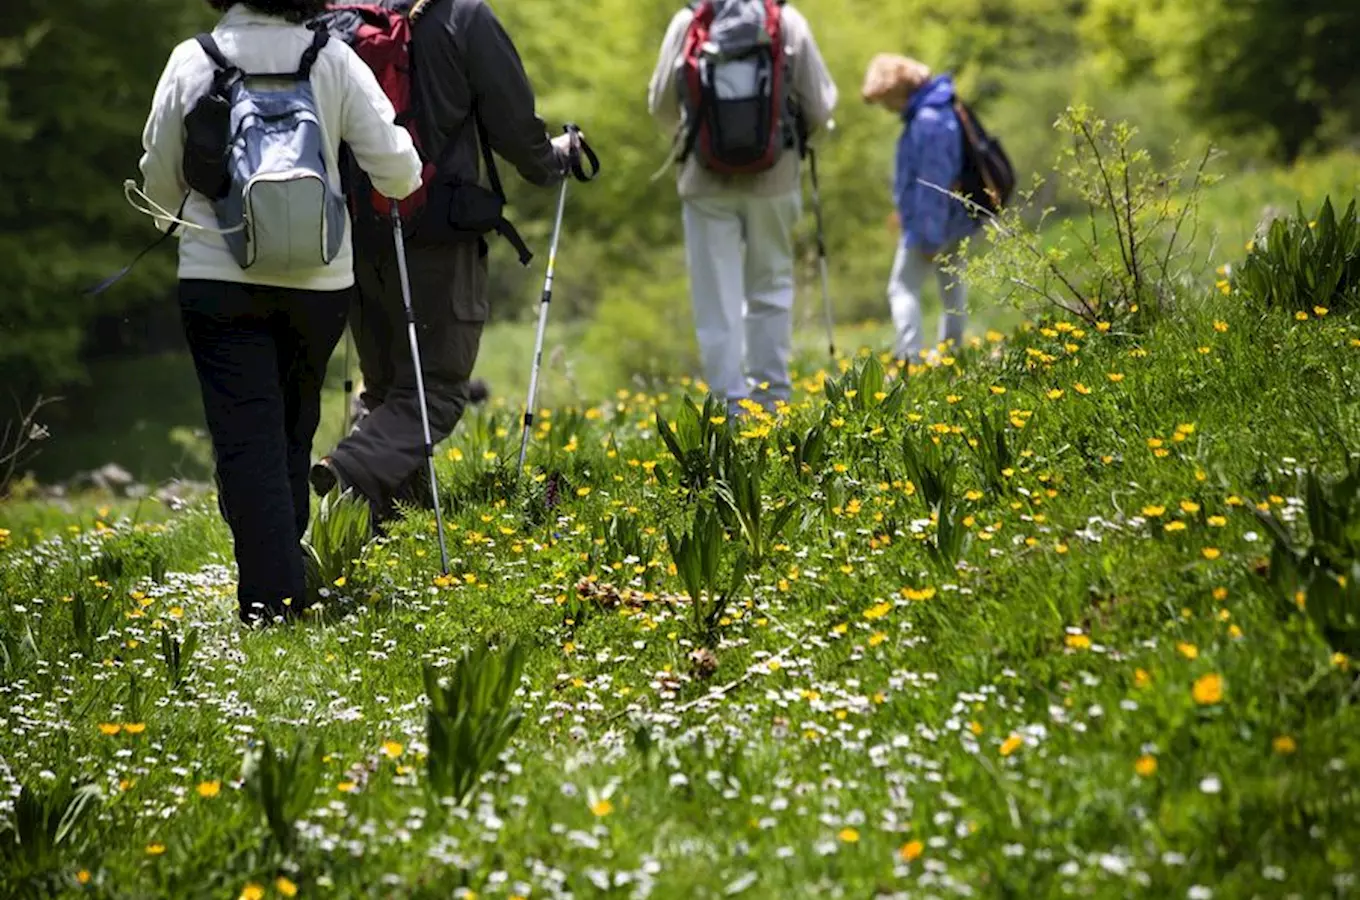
pixel 241 14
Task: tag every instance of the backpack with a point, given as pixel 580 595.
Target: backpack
pixel 733 86
pixel 380 34
pixel 254 147
pixel 987 179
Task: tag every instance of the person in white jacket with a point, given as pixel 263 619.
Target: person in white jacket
pixel 260 343
pixel 739 228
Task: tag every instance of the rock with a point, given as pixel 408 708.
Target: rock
pixel 111 477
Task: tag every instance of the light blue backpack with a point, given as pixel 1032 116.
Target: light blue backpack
pixel 254 147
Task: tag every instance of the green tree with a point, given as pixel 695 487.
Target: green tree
pixel 1280 69
pixel 75 82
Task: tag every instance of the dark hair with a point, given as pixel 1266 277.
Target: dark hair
pixel 292 10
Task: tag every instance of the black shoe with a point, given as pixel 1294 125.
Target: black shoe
pixel 324 477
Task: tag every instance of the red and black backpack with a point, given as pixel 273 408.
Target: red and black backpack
pixel 734 86
pixel 380 34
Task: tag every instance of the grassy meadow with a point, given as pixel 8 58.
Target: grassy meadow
pixel 1033 621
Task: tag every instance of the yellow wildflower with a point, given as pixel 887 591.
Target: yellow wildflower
pixel 911 851
pixel 1208 690
pixel 1146 766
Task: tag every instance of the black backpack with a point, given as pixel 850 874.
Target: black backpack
pixel 988 178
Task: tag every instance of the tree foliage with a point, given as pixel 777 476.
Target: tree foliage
pixel 76 79
pixel 1283 69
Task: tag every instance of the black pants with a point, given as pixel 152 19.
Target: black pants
pixel 449 299
pixel 261 355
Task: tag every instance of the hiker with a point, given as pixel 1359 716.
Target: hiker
pixel 740 186
pixel 261 328
pixel 929 158
pixel 471 96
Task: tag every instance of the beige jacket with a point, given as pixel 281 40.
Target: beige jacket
pixel 813 91
pixel 352 108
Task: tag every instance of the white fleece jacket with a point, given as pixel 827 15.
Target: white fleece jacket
pixel 352 107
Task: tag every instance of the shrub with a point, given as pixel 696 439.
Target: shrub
pixel 1301 263
pixel 1129 252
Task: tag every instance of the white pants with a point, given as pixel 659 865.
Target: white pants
pixel 740 252
pixel 910 269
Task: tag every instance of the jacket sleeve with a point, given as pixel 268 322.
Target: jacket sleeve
pixel 933 150
pixel 505 100
pixel 163 141
pixel 663 97
pixel 368 125
pixel 814 91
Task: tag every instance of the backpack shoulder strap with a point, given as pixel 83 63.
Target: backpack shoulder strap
pixel 205 40
pixel 312 53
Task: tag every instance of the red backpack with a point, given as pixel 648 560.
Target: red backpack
pixel 734 86
pixel 380 33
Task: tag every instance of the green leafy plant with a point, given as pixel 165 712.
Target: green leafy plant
pixel 335 542
pixel 700 441
pixel 997 448
pixel 624 540
pixel 741 498
pixel 698 557
pixel 862 387
pixel 18 648
pixel 1322 577
pixel 44 824
pixel 1300 263
pixel 472 717
pixel 282 785
pixel 176 653
pixel 92 612
pixel 931 469
pixel 807 451
pixel 951 538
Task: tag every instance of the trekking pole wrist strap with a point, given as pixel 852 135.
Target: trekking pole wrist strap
pixel 578 171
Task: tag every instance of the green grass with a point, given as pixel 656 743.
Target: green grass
pixel 1101 698
pixel 131 407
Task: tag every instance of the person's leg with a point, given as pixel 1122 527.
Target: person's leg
pixel 954 307
pixel 233 347
pixel 372 323
pixel 448 294
pixel 307 327
pixel 904 299
pixel 769 294
pixel 713 248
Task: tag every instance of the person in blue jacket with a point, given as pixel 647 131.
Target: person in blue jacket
pixel 929 163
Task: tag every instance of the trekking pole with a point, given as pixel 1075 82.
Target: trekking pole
pixel 346 422
pixel 581 175
pixel 400 242
pixel 821 253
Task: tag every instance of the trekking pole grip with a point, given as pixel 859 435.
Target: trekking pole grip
pixel 579 172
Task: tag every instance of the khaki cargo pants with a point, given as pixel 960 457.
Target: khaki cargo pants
pixel 448 296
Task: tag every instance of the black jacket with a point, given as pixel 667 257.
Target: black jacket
pixel 461 55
